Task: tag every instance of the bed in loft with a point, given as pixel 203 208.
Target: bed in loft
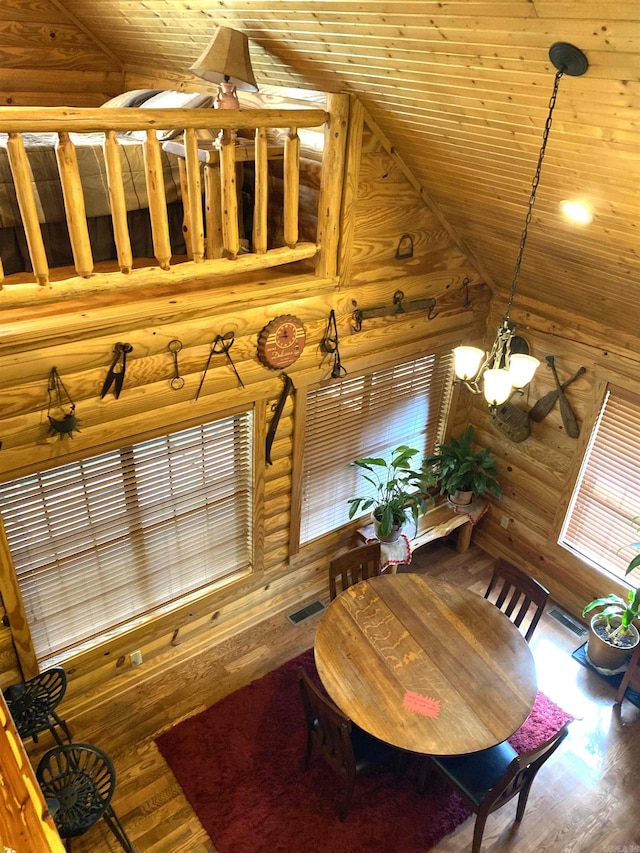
pixel 40 148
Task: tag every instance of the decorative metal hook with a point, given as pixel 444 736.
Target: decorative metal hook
pixel 465 287
pixel 330 343
pixel 405 247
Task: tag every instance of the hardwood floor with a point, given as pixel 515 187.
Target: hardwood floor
pixel 583 800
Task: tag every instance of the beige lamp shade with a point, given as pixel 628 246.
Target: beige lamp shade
pixel 226 59
pixel 467 361
pixel 521 368
pixel 497 386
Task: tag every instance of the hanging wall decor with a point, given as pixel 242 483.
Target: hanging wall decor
pixel 117 369
pixel 281 342
pixel 59 399
pixel 329 344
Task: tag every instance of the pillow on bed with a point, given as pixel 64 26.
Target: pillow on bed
pixel 133 98
pixel 170 99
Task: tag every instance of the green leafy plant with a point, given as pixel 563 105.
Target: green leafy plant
pixel 457 468
pixel 615 605
pixel 400 492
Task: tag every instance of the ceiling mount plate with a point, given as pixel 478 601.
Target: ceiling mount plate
pixel 568 59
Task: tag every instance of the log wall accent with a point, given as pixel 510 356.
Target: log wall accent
pixel 75 329
pixel 25 822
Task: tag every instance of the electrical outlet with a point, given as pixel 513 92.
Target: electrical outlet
pixel 504 521
pixel 135 658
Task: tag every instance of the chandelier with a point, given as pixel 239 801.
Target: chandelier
pixel 508 365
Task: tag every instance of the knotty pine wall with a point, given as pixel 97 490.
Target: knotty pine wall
pixel 48 58
pixel 538 474
pixel 77 334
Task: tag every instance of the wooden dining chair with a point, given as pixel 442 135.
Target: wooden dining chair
pixel 515 593
pixel 348 749
pixel 355 565
pixel 631 677
pixel 488 779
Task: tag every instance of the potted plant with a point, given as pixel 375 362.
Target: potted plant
pixel 399 492
pixel 463 474
pixel 613 634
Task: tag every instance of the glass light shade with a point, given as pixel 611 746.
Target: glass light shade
pixel 497 386
pixel 522 367
pixel 467 361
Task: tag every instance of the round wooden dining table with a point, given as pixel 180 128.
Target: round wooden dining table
pixel 425 665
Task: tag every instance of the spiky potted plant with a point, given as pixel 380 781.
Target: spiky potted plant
pixel 398 492
pixel 613 634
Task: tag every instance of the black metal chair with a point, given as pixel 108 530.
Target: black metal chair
pixel 515 592
pixel 488 779
pixel 348 749
pixel 32 704
pixel 79 780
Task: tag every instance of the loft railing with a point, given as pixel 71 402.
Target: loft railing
pixel 211 226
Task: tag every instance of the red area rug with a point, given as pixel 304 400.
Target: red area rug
pixel 239 764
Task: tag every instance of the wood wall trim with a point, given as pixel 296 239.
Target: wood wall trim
pixel 15 610
pixel 25 821
pixel 353 156
pixel 330 201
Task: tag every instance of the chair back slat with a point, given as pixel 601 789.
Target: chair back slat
pixel 517 594
pixel 353 566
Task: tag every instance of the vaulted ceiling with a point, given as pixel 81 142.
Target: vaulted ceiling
pixel 461 89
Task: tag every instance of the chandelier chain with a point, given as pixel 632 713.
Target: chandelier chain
pixel 532 196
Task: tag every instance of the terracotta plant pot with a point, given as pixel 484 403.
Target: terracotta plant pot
pixel 604 656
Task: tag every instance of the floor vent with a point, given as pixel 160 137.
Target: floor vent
pixel 306 612
pixel 568 622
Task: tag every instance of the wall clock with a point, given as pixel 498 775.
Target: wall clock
pixel 281 342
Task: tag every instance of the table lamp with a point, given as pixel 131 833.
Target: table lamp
pixel 226 61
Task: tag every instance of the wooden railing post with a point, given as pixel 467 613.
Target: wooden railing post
pixel 117 200
pixel 193 201
pixel 230 233
pixel 22 180
pixel 157 201
pixel 73 196
pixel 261 193
pixel 330 202
pixel 291 186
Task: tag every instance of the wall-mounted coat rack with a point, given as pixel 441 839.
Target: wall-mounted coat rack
pixel 399 307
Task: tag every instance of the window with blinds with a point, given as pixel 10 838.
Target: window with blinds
pixel 607 492
pixel 102 544
pixel 367 416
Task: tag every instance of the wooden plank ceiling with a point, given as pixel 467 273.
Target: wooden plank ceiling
pixel 461 89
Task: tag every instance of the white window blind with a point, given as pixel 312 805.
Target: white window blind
pixel 607 493
pixel 106 541
pixel 367 416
